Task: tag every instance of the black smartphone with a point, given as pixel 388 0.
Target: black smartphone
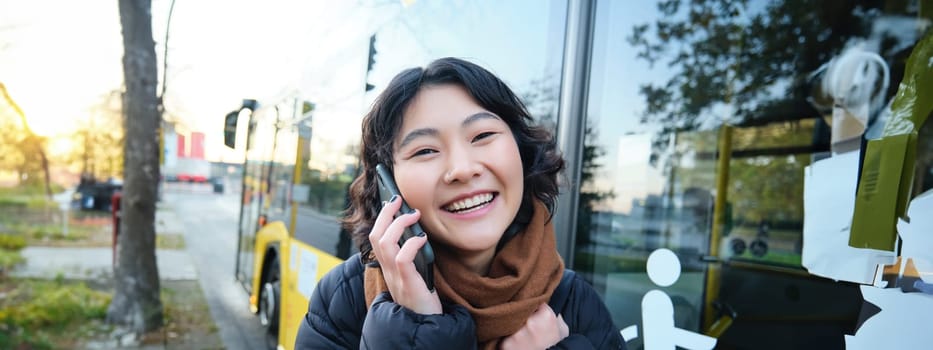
pixel 424 261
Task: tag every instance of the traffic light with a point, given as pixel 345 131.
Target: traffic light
pixel 371 62
pixel 372 53
pixel 230 129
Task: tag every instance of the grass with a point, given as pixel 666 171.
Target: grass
pixel 66 314
pixel 32 190
pixel 27 202
pixel 40 314
pixel 49 314
pixel 9 252
pixel 187 318
pixel 9 259
pixel 27 197
pixel 78 234
pixel 170 241
pixel 85 229
pixel 11 242
pixel 48 232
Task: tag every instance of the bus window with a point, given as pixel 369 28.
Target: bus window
pixel 259 151
pixel 764 218
pixel 282 165
pixel 329 156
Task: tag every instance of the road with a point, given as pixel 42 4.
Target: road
pixel 209 222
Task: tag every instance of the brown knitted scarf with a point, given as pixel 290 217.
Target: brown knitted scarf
pixel 522 276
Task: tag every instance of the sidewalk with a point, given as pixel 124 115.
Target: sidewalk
pixel 96 263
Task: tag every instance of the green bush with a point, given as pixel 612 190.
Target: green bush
pixel 17 229
pixel 33 310
pixel 27 201
pixel 52 304
pixel 12 201
pixel 9 258
pixel 40 203
pixel 28 196
pixel 11 242
pixel 23 340
pixel 54 232
pixel 30 190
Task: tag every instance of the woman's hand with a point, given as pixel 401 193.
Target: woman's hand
pixel 543 329
pixel 405 284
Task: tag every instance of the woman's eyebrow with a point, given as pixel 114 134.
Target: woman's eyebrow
pixel 479 116
pixel 414 134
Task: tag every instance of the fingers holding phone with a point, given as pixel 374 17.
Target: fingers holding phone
pixel 405 283
pixel 388 191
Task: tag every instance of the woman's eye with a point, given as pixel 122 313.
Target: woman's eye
pixel 483 136
pixel 423 151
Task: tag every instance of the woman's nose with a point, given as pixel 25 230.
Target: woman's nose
pixel 462 168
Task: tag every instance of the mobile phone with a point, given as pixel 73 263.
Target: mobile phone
pixel 424 261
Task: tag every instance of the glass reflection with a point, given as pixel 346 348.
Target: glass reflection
pixel 666 77
pixel 381 39
pixel 519 41
pixel 282 163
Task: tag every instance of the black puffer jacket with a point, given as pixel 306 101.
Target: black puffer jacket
pixel 337 319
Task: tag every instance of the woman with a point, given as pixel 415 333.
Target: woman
pixel 483 182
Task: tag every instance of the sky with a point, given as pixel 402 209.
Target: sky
pixel 60 58
pixel 59 64
pixel 56 64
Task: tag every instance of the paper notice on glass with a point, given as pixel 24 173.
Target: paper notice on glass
pixel 903 322
pixel 828 204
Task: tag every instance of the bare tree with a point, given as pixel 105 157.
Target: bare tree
pixel 136 301
pixel 99 150
pixel 32 143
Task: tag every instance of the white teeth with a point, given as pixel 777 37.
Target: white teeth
pixel 470 202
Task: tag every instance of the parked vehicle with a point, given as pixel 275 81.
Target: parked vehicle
pixel 94 195
pixel 187 170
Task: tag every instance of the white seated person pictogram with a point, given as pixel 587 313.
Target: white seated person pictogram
pixel 657 310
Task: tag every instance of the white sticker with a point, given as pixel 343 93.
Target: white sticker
pixel 657 310
pixel 307 274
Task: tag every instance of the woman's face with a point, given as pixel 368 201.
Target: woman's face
pixel 459 165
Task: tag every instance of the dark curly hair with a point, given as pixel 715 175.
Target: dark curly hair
pixel 541 162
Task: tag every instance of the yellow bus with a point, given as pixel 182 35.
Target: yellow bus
pixel 288 236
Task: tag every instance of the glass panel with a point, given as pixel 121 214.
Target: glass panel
pixel 330 150
pixel 665 77
pixel 519 41
pixel 640 191
pixel 764 223
pixel 258 153
pixel 282 164
pixel 526 54
pixel 329 167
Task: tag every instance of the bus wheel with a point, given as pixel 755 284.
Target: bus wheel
pixel 269 298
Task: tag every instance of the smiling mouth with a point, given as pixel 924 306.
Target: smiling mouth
pixel 467 205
